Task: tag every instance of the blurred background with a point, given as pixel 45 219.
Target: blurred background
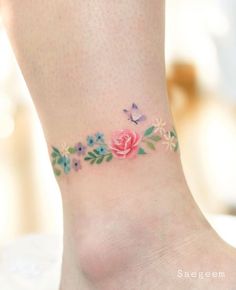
pixel 200 46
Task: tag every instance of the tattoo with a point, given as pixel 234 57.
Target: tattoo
pixel 123 144
pixel 134 115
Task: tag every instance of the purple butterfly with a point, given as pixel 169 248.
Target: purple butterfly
pixel 134 115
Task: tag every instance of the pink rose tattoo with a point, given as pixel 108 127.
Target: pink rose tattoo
pixel 124 143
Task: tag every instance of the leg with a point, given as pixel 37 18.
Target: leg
pixel 130 223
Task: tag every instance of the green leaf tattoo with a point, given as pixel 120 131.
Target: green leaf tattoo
pixel 141 151
pixel 109 157
pixel 151 145
pixel 155 138
pixel 100 159
pixel 56 150
pixel 92 155
pixel 72 150
pixel 149 131
pixel 95 157
pixel 57 172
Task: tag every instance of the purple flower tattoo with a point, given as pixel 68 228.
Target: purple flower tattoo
pixel 80 149
pixel 76 165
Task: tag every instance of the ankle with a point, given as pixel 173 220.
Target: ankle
pixel 111 245
pixel 116 243
pixel 122 217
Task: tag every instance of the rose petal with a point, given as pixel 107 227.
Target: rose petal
pixel 128 143
pixel 132 153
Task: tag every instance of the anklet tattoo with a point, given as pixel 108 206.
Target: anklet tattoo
pixel 123 144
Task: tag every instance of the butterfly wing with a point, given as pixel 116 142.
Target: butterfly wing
pixel 136 115
pixel 141 118
pixel 134 106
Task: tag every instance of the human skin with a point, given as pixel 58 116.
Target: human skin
pixel 128 224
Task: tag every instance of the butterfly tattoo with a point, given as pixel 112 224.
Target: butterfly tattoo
pixel 134 114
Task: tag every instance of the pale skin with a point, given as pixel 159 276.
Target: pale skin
pixel 128 224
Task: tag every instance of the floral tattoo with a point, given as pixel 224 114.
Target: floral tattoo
pixel 123 144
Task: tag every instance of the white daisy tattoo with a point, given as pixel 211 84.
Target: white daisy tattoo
pixel 159 125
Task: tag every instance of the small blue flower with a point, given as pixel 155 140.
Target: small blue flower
pixel 90 141
pixel 102 150
pixel 65 163
pixel 99 137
